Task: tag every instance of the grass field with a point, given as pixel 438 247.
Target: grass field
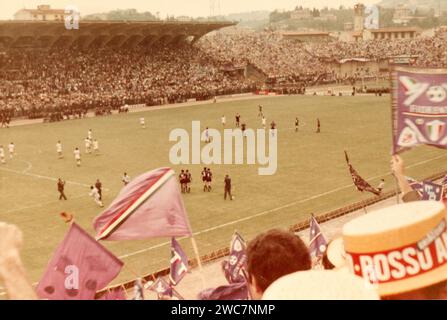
pixel 312 176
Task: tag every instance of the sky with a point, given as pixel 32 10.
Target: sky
pixel 192 8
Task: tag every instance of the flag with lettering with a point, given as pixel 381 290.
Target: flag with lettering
pixel 233 291
pixel 78 269
pixel 317 241
pixel 179 263
pixel 427 190
pixel 360 183
pixel 419 112
pixel 235 266
pixel 148 207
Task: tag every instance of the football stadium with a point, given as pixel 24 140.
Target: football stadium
pixel 117 182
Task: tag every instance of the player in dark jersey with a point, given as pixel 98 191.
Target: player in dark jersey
pixel 238 120
pixel 260 114
pixel 204 178
pixel 297 124
pixel 243 128
pixel 318 126
pixel 209 178
pixel 60 188
pixel 182 181
pixel 273 127
pixel 188 179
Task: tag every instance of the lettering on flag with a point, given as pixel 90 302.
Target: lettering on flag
pixel 419 108
pixel 179 263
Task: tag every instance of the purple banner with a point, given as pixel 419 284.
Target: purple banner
pixel 419 108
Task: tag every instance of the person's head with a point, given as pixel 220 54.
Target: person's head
pixel 272 255
pixel 91 187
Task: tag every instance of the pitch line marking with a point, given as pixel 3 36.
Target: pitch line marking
pixel 43 204
pixel 273 209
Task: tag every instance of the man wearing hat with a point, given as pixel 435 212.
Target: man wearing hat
pixel 401 250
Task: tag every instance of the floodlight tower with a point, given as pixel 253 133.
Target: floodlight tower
pixel 214 8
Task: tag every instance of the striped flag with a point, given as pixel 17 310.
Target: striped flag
pixel 150 206
pixel 161 287
pixel 179 263
pixel 317 241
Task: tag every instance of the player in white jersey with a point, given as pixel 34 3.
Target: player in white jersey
pixel 11 148
pixel 77 155
pixel 143 123
pixel 95 194
pixel 2 155
pixel 207 135
pixel 59 149
pixel 88 145
pixel 264 121
pixel 125 179
pixel 224 120
pixel 90 134
pixel 95 146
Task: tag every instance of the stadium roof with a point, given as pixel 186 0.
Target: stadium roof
pixel 45 34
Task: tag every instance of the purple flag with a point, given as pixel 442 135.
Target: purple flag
pixel 79 267
pixel 427 190
pixel 234 291
pixel 114 294
pixel 150 206
pixel 317 242
pixel 179 263
pixel 138 292
pixel 360 183
pixel 235 265
pixel 161 287
pixel 419 108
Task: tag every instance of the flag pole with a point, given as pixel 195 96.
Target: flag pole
pixel 199 263
pixel 396 185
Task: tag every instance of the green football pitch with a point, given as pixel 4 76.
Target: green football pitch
pixel 312 175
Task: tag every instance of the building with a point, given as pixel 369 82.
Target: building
pixel 42 13
pixel 359 18
pixel 310 36
pixel 402 14
pixel 301 14
pixel 326 17
pixel 390 34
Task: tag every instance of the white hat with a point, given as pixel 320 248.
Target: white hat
pixel 320 285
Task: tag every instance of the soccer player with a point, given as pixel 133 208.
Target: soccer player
pixel 77 155
pixel 98 186
pixel 227 182
pixel 11 148
pixel 381 185
pixel 2 155
pixel 60 188
pixel 243 128
pixel 209 178
pixel 188 179
pixel 90 134
pixel 59 149
pixel 273 127
pixel 182 180
pixel 95 146
pixel 125 179
pixel 204 178
pixel 297 124
pixel 95 194
pixel 318 126
pixel 142 123
pixel 88 144
pixel 224 120
pixel 260 114
pixel 264 122
pixel 238 120
pixel 207 135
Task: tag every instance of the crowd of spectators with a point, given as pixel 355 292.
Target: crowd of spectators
pixel 60 83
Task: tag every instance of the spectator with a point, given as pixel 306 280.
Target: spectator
pixel 272 255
